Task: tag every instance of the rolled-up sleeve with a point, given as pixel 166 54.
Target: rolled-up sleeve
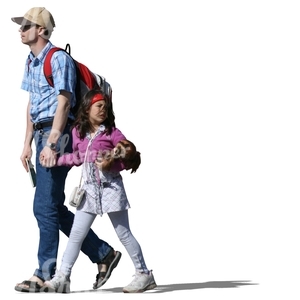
pixel 64 74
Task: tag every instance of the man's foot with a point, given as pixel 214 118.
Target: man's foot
pixel 106 267
pixel 60 283
pixel 141 283
pixel 33 285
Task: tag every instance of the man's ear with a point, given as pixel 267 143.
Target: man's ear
pixel 45 33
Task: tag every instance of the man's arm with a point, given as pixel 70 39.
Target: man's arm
pixel 27 151
pixel 61 117
pixel 48 155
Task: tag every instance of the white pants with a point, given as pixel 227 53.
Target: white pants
pixel 83 222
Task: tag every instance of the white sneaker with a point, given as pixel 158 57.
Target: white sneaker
pixel 60 283
pixel 141 283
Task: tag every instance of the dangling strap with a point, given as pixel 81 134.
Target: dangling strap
pixel 87 149
pixel 80 180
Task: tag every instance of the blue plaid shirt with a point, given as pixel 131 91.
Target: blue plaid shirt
pixel 43 97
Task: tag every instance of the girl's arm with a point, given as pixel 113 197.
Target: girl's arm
pixel 74 158
pixel 69 159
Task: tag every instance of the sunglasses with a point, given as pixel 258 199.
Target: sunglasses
pixel 27 27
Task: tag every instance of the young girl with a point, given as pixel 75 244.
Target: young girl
pixel 99 146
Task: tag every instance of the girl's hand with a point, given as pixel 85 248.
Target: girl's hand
pixel 47 157
pixel 104 160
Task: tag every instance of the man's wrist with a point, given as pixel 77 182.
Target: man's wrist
pixel 52 146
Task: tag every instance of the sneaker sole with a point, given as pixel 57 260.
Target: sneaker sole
pixel 63 289
pixel 151 286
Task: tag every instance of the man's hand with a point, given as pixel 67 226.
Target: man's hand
pixel 48 157
pixel 26 155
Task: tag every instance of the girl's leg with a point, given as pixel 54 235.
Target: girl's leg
pixel 120 222
pixel 81 225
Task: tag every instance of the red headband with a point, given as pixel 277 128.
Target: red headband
pixel 96 98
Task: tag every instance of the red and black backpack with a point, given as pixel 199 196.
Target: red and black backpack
pixel 86 79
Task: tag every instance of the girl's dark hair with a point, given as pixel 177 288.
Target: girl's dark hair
pixel 82 123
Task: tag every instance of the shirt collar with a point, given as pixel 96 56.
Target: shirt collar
pixel 42 54
pixel 100 130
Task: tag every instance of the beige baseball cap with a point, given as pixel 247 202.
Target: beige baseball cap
pixel 36 15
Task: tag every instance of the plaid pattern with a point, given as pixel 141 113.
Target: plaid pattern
pixel 43 98
pixel 114 197
pixel 107 197
pixel 105 191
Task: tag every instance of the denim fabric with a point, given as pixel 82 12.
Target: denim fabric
pixel 51 213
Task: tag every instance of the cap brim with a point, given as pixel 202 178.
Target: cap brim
pixel 21 21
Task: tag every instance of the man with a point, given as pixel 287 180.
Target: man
pixel 48 124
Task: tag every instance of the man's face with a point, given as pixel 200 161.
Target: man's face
pixel 29 33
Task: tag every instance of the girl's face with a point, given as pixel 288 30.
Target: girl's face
pixel 98 113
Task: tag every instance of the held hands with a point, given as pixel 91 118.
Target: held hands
pixel 47 157
pixel 125 151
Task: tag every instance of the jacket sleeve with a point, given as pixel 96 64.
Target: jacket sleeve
pixel 74 158
pixel 69 160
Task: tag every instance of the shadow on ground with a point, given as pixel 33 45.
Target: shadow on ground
pixel 184 286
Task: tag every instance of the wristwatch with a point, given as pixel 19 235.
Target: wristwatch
pixel 52 146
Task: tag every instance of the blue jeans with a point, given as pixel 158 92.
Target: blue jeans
pixel 51 213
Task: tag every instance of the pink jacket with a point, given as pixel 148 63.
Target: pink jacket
pixel 101 141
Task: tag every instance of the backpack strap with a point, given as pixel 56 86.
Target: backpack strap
pixel 47 62
pixel 47 65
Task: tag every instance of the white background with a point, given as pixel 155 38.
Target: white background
pixel 209 93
